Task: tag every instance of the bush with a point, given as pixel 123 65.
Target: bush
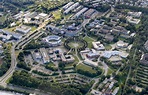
pixel 51 68
pixel 23 65
pixel 40 73
pixel 87 73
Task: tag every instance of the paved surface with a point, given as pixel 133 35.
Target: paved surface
pixel 129 72
pixel 28 90
pixel 9 73
pixel 105 66
pixel 23 41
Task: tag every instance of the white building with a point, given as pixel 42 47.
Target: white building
pixel 52 40
pixel 37 55
pixel 146 45
pixel 44 55
pixel 67 5
pixel 115 91
pixel 90 63
pixel 121 44
pixel 133 20
pixel 135 14
pixel 109 54
pixel 80 12
pixel 71 8
pixel 5 37
pixel 98 46
pixel 41 16
pixel 23 29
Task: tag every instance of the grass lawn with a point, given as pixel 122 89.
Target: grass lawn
pixel 138 25
pixel 50 64
pixel 33 28
pixel 67 16
pixel 2 19
pixel 10 29
pixel 89 41
pixel 109 71
pixel 108 47
pixel 17 52
pixel 76 44
pixel 69 65
pixel 63 40
pixel 85 68
pixel 90 45
pixel 8 80
pixel 57 14
pixel 76 59
pixel 121 78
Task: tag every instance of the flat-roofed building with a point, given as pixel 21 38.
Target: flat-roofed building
pixel 41 16
pixel 52 40
pixel 71 8
pixel 121 44
pixel 88 13
pixel 98 46
pixel 80 12
pixel 115 91
pixel 23 29
pixel 67 5
pixel 37 55
pixel 92 54
pixel 146 45
pixel 44 55
pixel 135 14
pixel 90 63
pixel 133 20
pixel 19 15
pixel 5 37
pixel 144 59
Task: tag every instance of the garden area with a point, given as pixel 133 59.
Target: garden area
pixel 75 43
pixel 89 41
pixel 88 71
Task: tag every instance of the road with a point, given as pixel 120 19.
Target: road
pixel 28 90
pixel 129 72
pixel 34 34
pixel 9 73
pixel 105 66
pixel 23 42
pixel 112 10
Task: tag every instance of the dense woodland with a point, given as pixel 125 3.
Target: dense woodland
pixel 138 49
pixel 6 62
pixel 23 78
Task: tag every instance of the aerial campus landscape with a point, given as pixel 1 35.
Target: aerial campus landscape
pixel 73 47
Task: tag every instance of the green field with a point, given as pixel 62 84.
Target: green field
pixel 2 19
pixel 75 44
pixel 51 4
pixel 108 47
pixel 57 15
pixel 109 71
pixel 10 29
pixel 89 41
pixel 33 28
pixel 85 68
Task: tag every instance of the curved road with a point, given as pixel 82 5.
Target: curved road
pixel 9 73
